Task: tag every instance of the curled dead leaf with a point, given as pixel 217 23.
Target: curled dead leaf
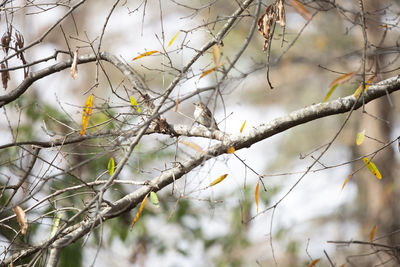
pixel 281 13
pixel 216 54
pixel 74 65
pixel 22 219
pixel 5 75
pixel 265 23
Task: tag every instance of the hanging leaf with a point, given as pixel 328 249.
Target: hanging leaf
pixel 241 128
pixel 5 75
pixel 55 225
pixel 172 40
pixel 111 166
pixel 330 92
pixel 265 23
pixel 193 146
pixel 345 182
pixel 154 199
pixel 135 104
pixel 139 212
pixel 372 234
pixel 218 180
pixel 398 144
pixel 300 9
pixel 313 263
pixel 342 79
pixel 74 65
pixel 145 54
pixel 371 166
pixel 216 54
pixel 256 196
pixel 360 138
pixel 177 102
pixel 281 13
pixel 87 111
pixel 367 84
pixel 22 219
pixel 231 150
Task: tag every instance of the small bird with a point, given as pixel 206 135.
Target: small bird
pixel 204 116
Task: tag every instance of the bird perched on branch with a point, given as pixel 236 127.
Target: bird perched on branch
pixel 204 116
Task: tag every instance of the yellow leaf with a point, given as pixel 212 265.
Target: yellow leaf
pixel 22 219
pixel 218 180
pixel 135 104
pixel 367 84
pixel 172 40
pixel 301 9
pixel 231 150
pixel 111 166
pixel 342 79
pixel 330 92
pixel 145 54
pixel 371 166
pixel 193 146
pixel 87 112
pixel 360 138
pixel 208 72
pixel 140 211
pixel 241 128
pixel 256 193
pixel 74 65
pixel 372 234
pixel 313 263
pixel 216 54
pixel 345 182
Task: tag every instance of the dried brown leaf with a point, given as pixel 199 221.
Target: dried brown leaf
pixel 265 23
pixel 22 219
pixel 216 54
pixel 5 75
pixel 74 66
pixel 281 13
pixel 193 146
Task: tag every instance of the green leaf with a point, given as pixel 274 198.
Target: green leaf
pixel 56 223
pixel 154 199
pixel 111 166
pixel 330 92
